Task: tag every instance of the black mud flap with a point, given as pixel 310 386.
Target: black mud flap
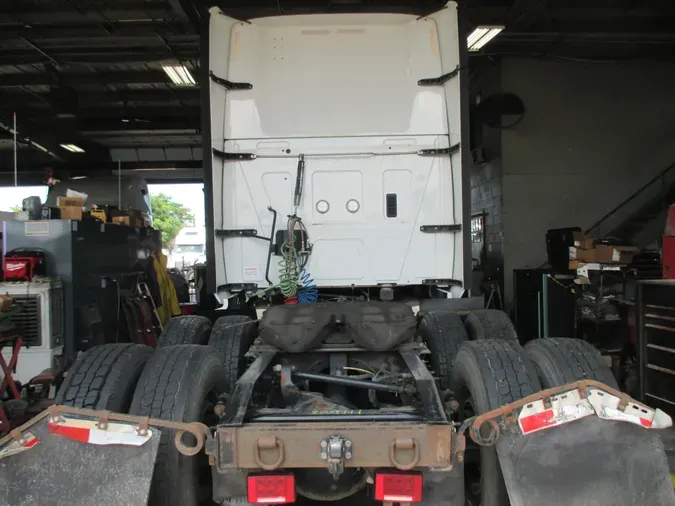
pixel 589 461
pixel 55 470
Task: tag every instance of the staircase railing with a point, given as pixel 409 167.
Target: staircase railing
pixel 648 188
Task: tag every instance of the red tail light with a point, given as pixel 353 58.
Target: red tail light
pixel 398 487
pixel 271 488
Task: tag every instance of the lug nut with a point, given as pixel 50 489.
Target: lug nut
pixel 453 405
pixel 277 368
pixel 348 443
pixel 348 455
pixel 219 409
pixel 324 456
pixel 324 444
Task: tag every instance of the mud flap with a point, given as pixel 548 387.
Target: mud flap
pixel 581 444
pixel 588 461
pixel 47 468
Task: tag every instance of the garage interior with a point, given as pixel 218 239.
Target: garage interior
pixel 568 156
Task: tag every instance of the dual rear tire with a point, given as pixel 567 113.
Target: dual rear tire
pixel 104 377
pixel 180 381
pixel 445 332
pixel 488 374
pixel 482 363
pixel 231 337
pixel 183 382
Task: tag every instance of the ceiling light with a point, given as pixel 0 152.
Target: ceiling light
pixel 179 74
pixel 72 148
pixel 481 36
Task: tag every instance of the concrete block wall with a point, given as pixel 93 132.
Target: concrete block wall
pixel 486 198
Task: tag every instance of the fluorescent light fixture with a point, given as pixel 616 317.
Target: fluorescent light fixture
pixel 72 148
pixel 481 36
pixel 179 74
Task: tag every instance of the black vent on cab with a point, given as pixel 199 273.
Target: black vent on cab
pixel 392 205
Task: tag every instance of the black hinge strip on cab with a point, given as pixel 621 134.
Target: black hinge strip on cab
pixel 241 232
pixel 437 81
pixel 439 151
pixel 437 229
pixel 442 282
pixel 229 85
pixel 233 156
pixel 236 287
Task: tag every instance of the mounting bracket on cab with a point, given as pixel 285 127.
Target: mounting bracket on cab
pixel 233 156
pixel 439 151
pixel 442 282
pixel 435 229
pixel 437 81
pixel 229 85
pixel 241 232
pixel 237 287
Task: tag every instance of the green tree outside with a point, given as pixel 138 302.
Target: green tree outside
pixel 15 209
pixel 169 216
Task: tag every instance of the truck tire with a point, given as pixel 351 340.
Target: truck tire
pixel 488 374
pixel 232 338
pixel 185 330
pixel 104 377
pixel 564 360
pixel 180 383
pixel 490 324
pixel 444 333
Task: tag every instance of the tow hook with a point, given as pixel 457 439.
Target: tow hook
pixel 335 450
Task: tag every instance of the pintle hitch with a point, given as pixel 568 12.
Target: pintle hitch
pixel 335 450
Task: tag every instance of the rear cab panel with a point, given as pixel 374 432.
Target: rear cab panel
pixel 343 91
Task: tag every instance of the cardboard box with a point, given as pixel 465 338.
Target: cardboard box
pixel 71 213
pixel 583 255
pixel 606 254
pixel 69 201
pixel 122 220
pixel 626 253
pixel 70 208
pixel 582 241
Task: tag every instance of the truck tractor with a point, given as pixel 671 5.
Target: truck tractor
pixel 348 360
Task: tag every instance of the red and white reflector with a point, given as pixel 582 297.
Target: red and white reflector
pixel 569 406
pixel 398 487
pixel 566 407
pixel 87 431
pixel 278 488
pixel 606 406
pixel 28 441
